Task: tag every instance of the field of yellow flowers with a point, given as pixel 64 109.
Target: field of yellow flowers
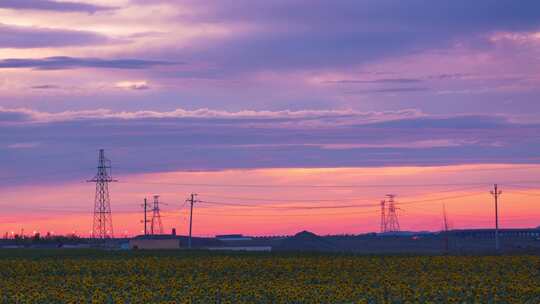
pixel 199 277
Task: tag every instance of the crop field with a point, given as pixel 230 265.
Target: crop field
pixel 63 276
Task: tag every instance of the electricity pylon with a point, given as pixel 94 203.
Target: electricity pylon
pixel 392 223
pixel 156 226
pixel 102 227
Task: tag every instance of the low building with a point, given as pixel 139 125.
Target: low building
pixel 232 237
pixel 168 241
pixel 155 242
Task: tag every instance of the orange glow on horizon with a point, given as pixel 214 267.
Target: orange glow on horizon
pixel 327 201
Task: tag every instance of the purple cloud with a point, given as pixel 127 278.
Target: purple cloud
pixel 45 87
pixel 267 56
pixel 391 90
pixel 310 35
pixel 375 81
pixel 35 37
pixel 64 62
pixel 207 139
pixel 48 5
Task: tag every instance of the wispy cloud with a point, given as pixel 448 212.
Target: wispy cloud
pixel 133 85
pixel 451 76
pixel 23 145
pixel 391 90
pixel 214 139
pixel 38 37
pixel 375 81
pixel 49 5
pixel 313 35
pixel 64 62
pixel 420 144
pixel 306 117
pixel 45 87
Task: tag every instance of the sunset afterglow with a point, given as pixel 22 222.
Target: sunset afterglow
pixel 282 116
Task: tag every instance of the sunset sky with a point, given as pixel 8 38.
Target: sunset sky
pixel 282 115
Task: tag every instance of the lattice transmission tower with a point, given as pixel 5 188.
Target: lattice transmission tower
pixel 156 226
pixel 102 227
pixel 392 223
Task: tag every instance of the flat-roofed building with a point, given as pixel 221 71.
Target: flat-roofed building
pixel 155 242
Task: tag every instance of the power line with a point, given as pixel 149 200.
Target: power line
pixel 252 205
pixel 337 206
pixel 523 186
pixel 346 199
pixel 285 214
pixel 286 207
pixel 283 200
pixel 439 199
pixel 523 193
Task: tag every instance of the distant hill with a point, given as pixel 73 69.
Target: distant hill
pixel 306 241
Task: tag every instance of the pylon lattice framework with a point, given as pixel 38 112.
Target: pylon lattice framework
pixel 102 226
pixel 392 223
pixel 156 224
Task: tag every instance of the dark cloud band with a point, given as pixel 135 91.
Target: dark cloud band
pixel 205 139
pixel 63 62
pixel 33 37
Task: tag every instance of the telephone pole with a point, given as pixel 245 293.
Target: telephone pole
pixel 102 225
pixel 191 200
pixel 496 193
pixel 156 224
pixel 145 220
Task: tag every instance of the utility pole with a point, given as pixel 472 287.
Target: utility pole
pixel 191 200
pixel 145 221
pixel 496 193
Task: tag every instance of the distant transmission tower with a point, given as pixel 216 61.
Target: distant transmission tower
pixel 383 216
pixel 446 228
pixel 445 219
pixel 392 223
pixel 156 226
pixel 102 226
